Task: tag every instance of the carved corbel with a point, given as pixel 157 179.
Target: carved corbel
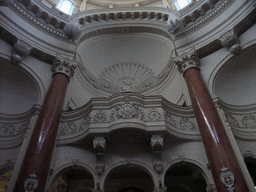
pixel 229 40
pixel 156 145
pixel 99 147
pixel 20 50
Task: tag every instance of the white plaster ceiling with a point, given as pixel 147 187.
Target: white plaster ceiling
pixel 235 82
pixel 149 50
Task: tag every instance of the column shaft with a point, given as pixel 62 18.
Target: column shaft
pixel 39 152
pixel 217 145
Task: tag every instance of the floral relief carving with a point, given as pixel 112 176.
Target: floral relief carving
pixel 187 124
pixel 68 128
pixel 249 121
pixel 183 123
pixel 154 115
pixel 232 121
pixel 100 117
pixel 170 120
pixel 71 127
pixel 241 121
pixel 14 129
pixel 127 110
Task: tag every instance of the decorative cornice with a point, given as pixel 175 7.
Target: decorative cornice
pixel 49 24
pixel 64 65
pixel 187 60
pixel 124 30
pixel 192 23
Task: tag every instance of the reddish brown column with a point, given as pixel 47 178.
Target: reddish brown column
pixel 36 163
pixel 217 145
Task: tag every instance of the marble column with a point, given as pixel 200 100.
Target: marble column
pixel 35 167
pixel 224 165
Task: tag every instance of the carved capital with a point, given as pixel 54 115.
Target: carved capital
pixel 187 60
pixel 229 40
pixel 99 145
pixel 20 50
pixel 157 143
pixel 64 65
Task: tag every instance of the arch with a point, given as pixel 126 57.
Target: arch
pixel 129 163
pixel 71 166
pixel 28 86
pixel 250 162
pixel 223 63
pixel 196 166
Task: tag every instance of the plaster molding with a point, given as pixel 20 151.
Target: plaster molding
pixel 129 110
pixel 204 19
pixel 127 77
pixel 13 128
pixel 241 119
pixel 43 25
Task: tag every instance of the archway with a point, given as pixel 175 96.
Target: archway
pixel 185 177
pixel 129 178
pixel 73 179
pixel 251 166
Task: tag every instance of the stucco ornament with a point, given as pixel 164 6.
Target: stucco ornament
pixel 64 65
pixel 187 60
pixel 72 29
pixel 173 22
pixel 30 183
pixel 228 179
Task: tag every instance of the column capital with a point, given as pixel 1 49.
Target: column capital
pixel 20 50
pixel 187 60
pixel 64 65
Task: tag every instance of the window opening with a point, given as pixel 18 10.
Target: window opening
pixel 180 4
pixel 66 6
